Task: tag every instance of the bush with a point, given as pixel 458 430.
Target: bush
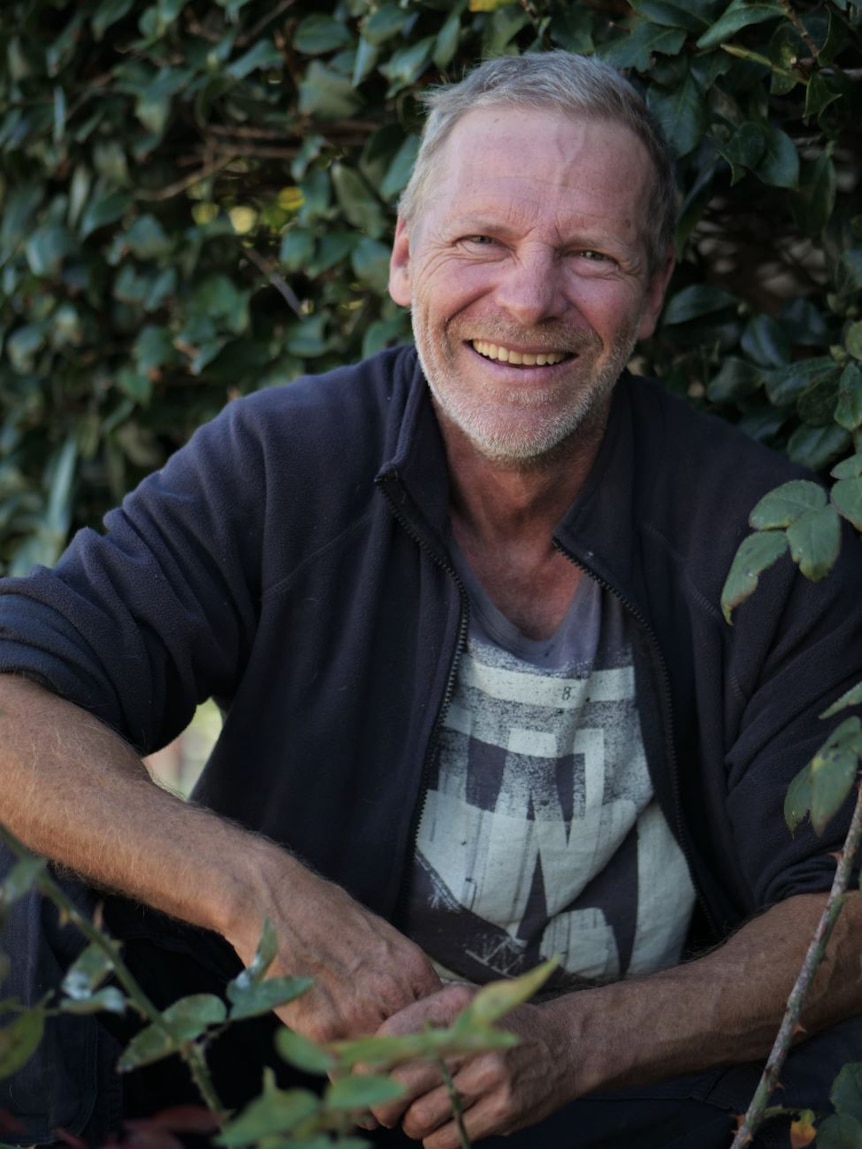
pixel 196 199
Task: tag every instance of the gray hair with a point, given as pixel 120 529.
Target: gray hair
pixel 574 85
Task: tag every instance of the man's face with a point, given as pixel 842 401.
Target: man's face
pixel 526 273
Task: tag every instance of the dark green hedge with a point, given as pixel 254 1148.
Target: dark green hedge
pixel 196 200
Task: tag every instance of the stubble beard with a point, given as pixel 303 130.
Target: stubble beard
pixel 527 443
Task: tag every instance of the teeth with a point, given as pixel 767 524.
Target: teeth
pixel 520 358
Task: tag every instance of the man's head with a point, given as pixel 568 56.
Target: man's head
pixel 578 86
pixel 527 252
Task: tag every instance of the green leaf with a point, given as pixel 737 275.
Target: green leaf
pixel 103 211
pixel 846 497
pixel 303 1054
pixel 797 801
pixel 135 384
pixel 785 384
pixel 365 63
pixel 87 972
pixel 263 997
pixel 370 262
pixel 184 1021
pixel 108 1000
pixel 853 339
pixel 682 113
pixel 320 33
pixel 274 1112
pixel 385 22
pixel 851 697
pixel 695 301
pixel 848 409
pixel 46 249
pixel 19 1040
pixel 326 93
pixel 395 180
pixel 850 468
pixel 107 14
pixel 360 206
pixel 846 1092
pixel 815 540
pixel 740 14
pixel 637 48
pixel 495 1000
pixel 817 447
pixel 756 554
pixel 361 1092
pixel 297 248
pixel 840 1131
pixel 736 379
pixel 147 239
pixel 406 65
pixel 21 879
pixel 833 772
pixel 786 504
pixel 669 14
pixel 262 57
pixel 819 94
pixel 779 164
pixel 447 41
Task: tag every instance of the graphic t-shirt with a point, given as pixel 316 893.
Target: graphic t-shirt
pixel 540 834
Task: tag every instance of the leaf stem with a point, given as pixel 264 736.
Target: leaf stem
pixel 455 1101
pixel 816 949
pixel 191 1054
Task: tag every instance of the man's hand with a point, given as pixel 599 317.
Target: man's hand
pixel 501 1091
pixel 364 970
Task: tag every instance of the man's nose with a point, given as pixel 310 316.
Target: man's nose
pixel 532 288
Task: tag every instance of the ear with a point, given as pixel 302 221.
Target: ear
pixel 655 297
pixel 400 278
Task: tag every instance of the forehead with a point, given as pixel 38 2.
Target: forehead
pixel 539 162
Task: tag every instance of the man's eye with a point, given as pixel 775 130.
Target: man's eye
pixel 479 240
pixel 593 256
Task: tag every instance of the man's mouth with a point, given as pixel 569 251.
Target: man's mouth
pixel 518 358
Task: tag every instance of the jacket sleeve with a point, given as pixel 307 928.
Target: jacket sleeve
pixel 142 622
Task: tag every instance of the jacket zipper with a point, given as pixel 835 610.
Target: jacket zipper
pixel 664 692
pixel 449 690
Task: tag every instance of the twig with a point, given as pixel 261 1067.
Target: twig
pixel 793 17
pixel 254 32
pixel 191 1053
pixel 455 1102
pixel 186 182
pixel 278 281
pixel 795 1002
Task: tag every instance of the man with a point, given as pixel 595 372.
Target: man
pixel 481 705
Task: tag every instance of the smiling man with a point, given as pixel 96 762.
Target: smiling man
pixel 459 604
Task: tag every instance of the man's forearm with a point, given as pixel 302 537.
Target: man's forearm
pixel 75 792
pixel 720 1009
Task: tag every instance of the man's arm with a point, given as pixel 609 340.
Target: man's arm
pixel 74 791
pixel 721 1009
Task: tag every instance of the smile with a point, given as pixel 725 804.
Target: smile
pixel 518 358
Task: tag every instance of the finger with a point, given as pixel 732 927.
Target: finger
pixel 437 1009
pixel 417 1078
pixel 434 1111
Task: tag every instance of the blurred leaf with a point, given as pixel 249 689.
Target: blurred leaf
pixel 184 1021
pixel 262 56
pixel 765 340
pixel 303 1054
pixel 815 540
pixel 104 211
pixel 740 14
pixel 361 1092
pixel 447 39
pixel 846 496
pixel 264 996
pixel 87 972
pixel 846 1092
pixel 817 447
pixel 385 22
pixel 848 409
pixel 275 1112
pixel 358 203
pixel 815 200
pixel 637 48
pixel 670 14
pixel 797 801
pixel 370 262
pixel 787 383
pixel 839 1131
pixel 756 554
pixel 853 339
pixel 695 301
pixel 327 94
pixel 786 504
pixel 495 1000
pixel 736 379
pixel 406 64
pixel 21 879
pixel 108 1000
pixel 320 33
pixel 19 1040
pixel 833 772
pixel 108 13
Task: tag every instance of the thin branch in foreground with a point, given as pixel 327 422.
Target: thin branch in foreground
pixel 769 1079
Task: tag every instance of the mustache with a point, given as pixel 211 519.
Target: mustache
pixel 553 337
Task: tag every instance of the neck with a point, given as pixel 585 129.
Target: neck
pixel 494 500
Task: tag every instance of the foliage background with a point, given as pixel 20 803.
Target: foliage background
pixel 196 198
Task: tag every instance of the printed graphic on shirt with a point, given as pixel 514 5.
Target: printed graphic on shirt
pixel 540 835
